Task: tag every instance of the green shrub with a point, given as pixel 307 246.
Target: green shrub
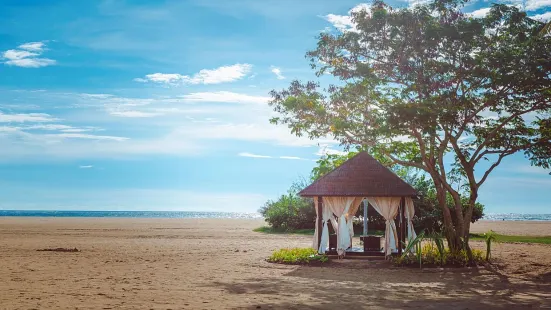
pixel 290 212
pixel 431 255
pixel 297 256
pixel 489 237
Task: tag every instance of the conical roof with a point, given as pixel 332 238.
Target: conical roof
pixel 361 176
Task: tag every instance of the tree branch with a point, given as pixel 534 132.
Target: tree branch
pixel 475 158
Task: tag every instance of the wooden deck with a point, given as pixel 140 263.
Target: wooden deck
pixel 356 251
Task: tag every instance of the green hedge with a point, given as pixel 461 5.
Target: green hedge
pixel 298 256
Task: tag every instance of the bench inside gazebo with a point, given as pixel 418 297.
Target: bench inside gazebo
pixel 338 195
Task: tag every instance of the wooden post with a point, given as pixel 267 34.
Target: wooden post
pixel 319 222
pixel 401 223
pixel 366 205
pixel 404 220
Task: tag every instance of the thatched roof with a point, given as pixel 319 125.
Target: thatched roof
pixel 361 176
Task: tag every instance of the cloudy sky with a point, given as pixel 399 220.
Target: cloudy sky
pixel 162 105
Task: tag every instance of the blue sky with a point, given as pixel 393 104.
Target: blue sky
pixel 162 105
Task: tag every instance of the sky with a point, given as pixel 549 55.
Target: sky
pixel 162 105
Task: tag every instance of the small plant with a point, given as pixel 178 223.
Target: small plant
pixel 489 237
pixel 438 240
pixel 415 245
pixel 432 255
pixel 298 256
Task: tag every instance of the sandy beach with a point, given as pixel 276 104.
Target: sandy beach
pixel 219 264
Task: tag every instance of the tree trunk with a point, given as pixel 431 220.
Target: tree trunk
pixel 467 223
pixel 449 227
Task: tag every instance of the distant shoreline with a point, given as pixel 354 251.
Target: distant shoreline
pixel 510 217
pixel 129 214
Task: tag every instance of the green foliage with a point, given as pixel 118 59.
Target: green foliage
pixel 438 240
pixel 489 237
pixel 415 245
pixel 290 212
pixel 514 239
pixel 298 256
pixel 430 255
pixel 271 230
pixel 418 84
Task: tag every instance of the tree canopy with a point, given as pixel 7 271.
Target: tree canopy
pixel 418 83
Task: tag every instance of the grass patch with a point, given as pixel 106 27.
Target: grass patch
pixel 298 256
pixel 271 230
pixel 431 256
pixel 512 239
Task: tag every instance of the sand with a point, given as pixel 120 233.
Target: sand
pixel 520 228
pixel 219 264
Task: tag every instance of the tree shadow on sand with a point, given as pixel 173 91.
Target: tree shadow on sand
pixel 358 285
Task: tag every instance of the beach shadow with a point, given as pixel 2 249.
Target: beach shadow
pixel 392 288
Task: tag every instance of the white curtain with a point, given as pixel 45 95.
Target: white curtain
pixel 388 208
pixel 410 212
pixel 315 244
pixel 341 207
pixel 326 216
pixel 350 216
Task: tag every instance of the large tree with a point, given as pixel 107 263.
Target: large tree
pixel 432 88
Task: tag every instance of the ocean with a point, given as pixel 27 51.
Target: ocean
pixel 131 214
pixel 516 217
pixel 225 215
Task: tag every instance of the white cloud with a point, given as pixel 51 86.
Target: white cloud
pixel 166 78
pixel 28 117
pixel 479 13
pixel 49 127
pixel 325 149
pixel 9 129
pixel 344 23
pixel 27 56
pixel 258 132
pixel 251 155
pixel 60 127
pixel 47 147
pixel 525 169
pixel 32 46
pixel 85 136
pixel 533 5
pixel 185 125
pixel 291 157
pixel 219 75
pixel 225 96
pixel 138 114
pixel 18 54
pixel 277 72
pixel 413 3
pixel 86 167
pixel 545 17
pixel 245 154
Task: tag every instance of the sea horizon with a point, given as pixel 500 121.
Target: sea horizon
pixel 129 214
pixel 213 214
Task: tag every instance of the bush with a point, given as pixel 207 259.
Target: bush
pixel 298 256
pixel 290 212
pixel 431 256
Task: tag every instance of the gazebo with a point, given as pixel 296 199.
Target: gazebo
pixel 338 195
